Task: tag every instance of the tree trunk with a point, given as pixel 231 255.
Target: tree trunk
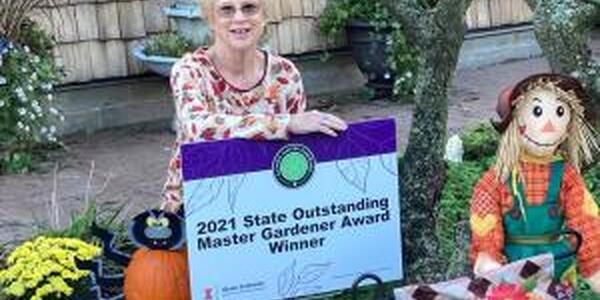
pixel 562 28
pixel 439 34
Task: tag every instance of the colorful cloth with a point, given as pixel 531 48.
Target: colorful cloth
pixel 529 279
pixel 492 199
pixel 210 108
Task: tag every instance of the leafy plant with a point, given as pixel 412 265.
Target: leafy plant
pixel 480 141
pixel 402 58
pixel 45 268
pixel 28 114
pixel 168 44
pixel 14 21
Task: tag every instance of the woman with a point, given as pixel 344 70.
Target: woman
pixel 535 193
pixel 234 90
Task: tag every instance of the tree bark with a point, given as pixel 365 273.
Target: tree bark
pixel 438 34
pixel 562 28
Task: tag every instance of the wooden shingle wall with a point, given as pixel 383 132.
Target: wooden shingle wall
pixel 494 13
pixel 293 26
pixel 95 37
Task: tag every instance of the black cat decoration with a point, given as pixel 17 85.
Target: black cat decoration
pixel 152 229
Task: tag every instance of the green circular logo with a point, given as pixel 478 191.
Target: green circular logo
pixel 293 165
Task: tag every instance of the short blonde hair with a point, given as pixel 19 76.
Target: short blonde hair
pixel 208 7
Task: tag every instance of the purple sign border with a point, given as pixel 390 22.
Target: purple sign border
pixel 237 156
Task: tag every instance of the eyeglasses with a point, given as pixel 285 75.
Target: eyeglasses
pixel 228 11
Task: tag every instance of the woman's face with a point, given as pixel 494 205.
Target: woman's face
pixel 543 122
pixel 238 24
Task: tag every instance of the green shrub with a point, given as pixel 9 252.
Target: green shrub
pixel 29 117
pixel 402 57
pixel 479 142
pixel 168 44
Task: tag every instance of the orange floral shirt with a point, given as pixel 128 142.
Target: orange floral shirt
pixel 491 200
pixel 209 108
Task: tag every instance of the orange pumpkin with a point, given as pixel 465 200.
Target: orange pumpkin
pixel 157 275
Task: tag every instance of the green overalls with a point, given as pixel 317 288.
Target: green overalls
pixel 542 228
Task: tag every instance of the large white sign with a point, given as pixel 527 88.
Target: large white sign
pixel 274 220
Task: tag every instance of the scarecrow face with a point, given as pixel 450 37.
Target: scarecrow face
pixel 543 122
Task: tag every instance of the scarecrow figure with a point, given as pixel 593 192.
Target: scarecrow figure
pixel 534 199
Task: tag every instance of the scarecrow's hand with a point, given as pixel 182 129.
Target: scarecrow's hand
pixel 594 282
pixel 485 264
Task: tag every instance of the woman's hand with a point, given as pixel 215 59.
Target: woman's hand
pixel 316 121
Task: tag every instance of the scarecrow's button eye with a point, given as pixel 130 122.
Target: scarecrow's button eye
pixel 538 111
pixel 560 111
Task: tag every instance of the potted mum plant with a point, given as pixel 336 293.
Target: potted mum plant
pixel 45 268
pixel 377 43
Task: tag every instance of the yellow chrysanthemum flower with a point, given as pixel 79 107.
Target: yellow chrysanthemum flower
pixel 45 267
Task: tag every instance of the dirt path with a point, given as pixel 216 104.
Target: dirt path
pixel 130 163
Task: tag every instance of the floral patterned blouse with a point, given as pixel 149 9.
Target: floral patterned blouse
pixel 210 108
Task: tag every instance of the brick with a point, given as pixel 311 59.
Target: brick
pixel 87 22
pixel 131 19
pixel 108 21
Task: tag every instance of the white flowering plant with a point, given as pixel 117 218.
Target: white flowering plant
pixel 29 115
